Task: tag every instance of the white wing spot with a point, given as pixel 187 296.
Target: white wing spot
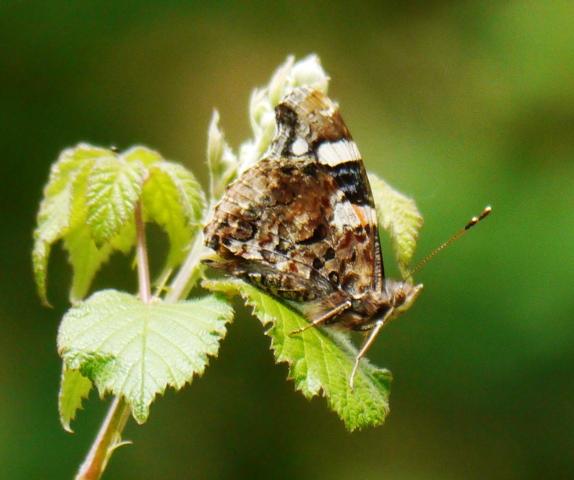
pixel 334 153
pixel 345 214
pixel 299 147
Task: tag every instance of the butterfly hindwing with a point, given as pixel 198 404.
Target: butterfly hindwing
pixel 265 219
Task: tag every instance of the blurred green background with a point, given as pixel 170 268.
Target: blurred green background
pixel 457 103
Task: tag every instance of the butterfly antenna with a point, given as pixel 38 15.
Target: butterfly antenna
pixel 473 221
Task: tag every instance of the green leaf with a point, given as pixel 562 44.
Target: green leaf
pixel 86 259
pixel 142 154
pixel 53 220
pixel 136 350
pixel 190 192
pixel 67 165
pixel 74 388
pixel 55 214
pixel 85 256
pixel 114 188
pixel 399 216
pixel 320 360
pixel 173 199
pixel 89 203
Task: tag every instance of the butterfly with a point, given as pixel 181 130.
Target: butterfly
pixel 301 224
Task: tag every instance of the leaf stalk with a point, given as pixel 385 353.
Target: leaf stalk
pixel 183 281
pixel 109 436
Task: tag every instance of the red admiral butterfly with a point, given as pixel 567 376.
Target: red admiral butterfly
pixel 301 224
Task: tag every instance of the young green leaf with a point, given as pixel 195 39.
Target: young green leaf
pixel 191 195
pixel 320 360
pixel 114 187
pixel 89 203
pixel 55 214
pixel 136 350
pixel 74 388
pixel 86 259
pixel 399 216
pixel 52 223
pixel 174 200
pixel 143 155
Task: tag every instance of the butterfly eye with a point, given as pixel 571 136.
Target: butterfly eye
pixel 400 297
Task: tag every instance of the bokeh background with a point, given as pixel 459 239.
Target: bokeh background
pixel 457 103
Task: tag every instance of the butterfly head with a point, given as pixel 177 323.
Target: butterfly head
pixel 373 307
pixel 401 296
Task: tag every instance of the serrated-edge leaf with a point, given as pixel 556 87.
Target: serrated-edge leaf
pixel 86 258
pixel 162 205
pixel 173 199
pixel 84 255
pixel 53 222
pixel 400 217
pixel 114 188
pixel 320 360
pixel 55 216
pixel 136 350
pixel 74 388
pixel 63 170
pixel 191 194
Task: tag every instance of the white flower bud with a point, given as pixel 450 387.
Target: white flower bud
pixel 309 72
pixel 278 82
pixel 258 106
pixel 247 156
pixel 291 74
pixel 221 161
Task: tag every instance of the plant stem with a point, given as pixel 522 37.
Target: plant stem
pixel 142 262
pixel 109 436
pixel 183 281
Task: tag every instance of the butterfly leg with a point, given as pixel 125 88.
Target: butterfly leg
pixel 322 319
pixel 368 342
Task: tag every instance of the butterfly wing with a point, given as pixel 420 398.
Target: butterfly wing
pixel 308 120
pixel 301 222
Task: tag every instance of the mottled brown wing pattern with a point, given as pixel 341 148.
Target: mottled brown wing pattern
pixel 300 223
pixel 263 227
